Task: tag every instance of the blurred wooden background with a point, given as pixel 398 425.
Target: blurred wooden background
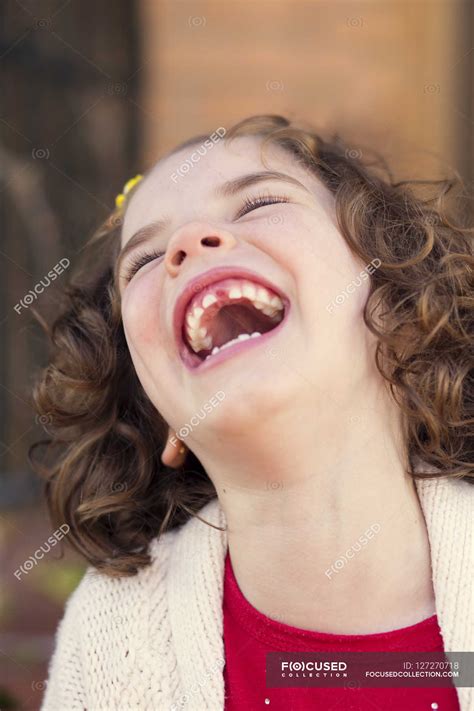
pixel 395 74
pixel 94 92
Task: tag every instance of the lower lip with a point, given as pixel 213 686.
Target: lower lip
pixel 190 362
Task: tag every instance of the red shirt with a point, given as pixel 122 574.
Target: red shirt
pixel 249 635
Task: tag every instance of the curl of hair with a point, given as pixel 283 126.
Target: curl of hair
pixel 101 462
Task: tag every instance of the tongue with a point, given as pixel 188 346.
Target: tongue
pixel 232 320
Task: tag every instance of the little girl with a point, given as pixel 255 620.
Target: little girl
pixel 261 441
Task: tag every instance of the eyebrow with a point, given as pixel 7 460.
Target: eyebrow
pixel 231 187
pixel 227 189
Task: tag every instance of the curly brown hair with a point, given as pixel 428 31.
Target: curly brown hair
pixel 104 475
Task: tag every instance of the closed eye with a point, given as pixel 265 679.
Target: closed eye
pixel 139 261
pixel 259 201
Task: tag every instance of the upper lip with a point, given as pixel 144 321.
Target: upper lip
pixel 212 276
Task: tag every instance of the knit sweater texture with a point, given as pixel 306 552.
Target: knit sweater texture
pixel 154 641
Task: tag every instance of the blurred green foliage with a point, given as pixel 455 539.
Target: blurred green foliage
pixel 57 581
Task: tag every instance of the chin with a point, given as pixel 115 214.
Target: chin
pixel 253 396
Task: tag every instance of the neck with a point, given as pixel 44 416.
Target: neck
pixel 325 530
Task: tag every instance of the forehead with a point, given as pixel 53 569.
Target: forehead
pixel 178 185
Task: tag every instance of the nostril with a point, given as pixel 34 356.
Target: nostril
pixel 178 258
pixel 210 241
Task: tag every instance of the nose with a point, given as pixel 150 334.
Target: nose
pixel 195 239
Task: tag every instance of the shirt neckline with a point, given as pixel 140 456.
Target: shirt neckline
pixel 271 631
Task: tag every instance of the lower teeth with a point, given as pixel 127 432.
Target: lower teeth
pixel 242 337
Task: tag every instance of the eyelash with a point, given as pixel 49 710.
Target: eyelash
pixel 249 204
pixel 139 261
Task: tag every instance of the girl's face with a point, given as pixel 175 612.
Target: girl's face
pixel 246 249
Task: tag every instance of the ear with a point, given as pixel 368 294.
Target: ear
pixel 174 452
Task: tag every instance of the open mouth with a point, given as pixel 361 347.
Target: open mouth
pixel 226 313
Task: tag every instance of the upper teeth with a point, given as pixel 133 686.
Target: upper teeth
pixel 270 304
pixel 208 300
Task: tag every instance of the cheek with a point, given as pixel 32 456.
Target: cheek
pixel 331 293
pixel 142 327
pixel 329 270
pixel 288 232
pixel 315 253
pixel 140 316
pixel 302 238
pixel 145 329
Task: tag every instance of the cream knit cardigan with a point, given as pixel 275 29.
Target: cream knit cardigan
pixel 154 642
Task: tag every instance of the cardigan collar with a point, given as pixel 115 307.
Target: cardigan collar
pixel 195 583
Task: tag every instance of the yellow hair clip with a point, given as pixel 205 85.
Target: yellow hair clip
pixel 120 199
